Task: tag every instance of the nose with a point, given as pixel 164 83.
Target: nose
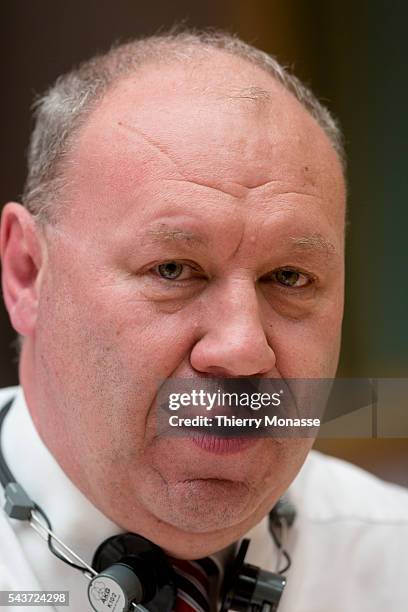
pixel 233 341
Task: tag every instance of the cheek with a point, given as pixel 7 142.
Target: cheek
pixel 309 347
pixel 107 349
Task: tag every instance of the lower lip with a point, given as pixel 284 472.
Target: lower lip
pixel 222 446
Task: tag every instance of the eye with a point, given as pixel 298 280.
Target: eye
pixel 291 278
pixel 170 270
pixel 175 270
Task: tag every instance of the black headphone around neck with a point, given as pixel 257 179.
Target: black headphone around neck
pixel 133 573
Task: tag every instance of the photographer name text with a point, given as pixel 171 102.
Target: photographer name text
pixel 232 421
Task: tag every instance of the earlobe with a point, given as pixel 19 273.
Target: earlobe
pixel 21 255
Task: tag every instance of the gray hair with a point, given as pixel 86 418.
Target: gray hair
pixel 64 108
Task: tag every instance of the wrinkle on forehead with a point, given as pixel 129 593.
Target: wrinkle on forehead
pixel 237 190
pixel 259 99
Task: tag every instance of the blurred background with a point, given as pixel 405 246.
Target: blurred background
pixel 353 55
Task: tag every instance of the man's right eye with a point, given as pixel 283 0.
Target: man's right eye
pixel 170 270
pixel 174 270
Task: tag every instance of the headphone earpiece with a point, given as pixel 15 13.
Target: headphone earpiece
pixel 131 568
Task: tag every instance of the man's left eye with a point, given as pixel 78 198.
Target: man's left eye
pixel 291 278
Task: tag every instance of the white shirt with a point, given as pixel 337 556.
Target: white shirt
pixel 348 542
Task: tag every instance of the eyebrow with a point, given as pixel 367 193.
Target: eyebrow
pixel 164 233
pixel 314 242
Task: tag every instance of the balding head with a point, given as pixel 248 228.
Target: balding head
pixel 62 111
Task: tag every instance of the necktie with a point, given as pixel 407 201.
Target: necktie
pixel 196 581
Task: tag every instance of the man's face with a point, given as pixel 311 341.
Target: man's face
pixel 202 235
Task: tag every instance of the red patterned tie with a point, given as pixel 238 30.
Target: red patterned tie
pixel 193 584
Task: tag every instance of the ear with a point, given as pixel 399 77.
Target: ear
pixel 22 260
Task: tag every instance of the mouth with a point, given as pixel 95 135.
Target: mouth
pixel 221 445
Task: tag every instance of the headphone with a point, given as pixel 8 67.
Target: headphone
pixel 129 572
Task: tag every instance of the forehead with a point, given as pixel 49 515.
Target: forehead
pixel 219 122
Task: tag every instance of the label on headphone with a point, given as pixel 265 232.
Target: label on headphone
pixel 106 595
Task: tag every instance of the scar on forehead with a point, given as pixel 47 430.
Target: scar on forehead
pixel 159 148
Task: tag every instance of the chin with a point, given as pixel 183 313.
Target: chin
pixel 204 505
